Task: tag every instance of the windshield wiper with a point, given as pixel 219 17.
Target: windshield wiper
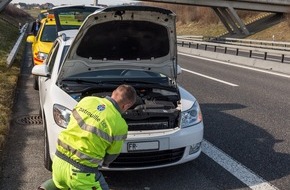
pixel 79 85
pixel 138 83
pixel 101 83
pixel 81 81
pixel 120 81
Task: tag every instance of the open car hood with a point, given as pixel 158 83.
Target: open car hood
pixel 124 37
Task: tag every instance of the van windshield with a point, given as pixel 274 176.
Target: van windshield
pixel 68 18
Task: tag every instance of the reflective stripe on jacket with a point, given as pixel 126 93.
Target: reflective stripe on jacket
pixel 96 129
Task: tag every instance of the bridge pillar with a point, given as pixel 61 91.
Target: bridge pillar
pixel 231 20
pixel 238 20
pixel 223 20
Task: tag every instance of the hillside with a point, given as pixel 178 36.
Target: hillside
pixel 279 31
pixel 14 15
pixel 9 20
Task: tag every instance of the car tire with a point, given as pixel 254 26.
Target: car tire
pixel 47 159
pixel 35 84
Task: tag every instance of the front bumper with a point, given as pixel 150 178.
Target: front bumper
pixel 172 148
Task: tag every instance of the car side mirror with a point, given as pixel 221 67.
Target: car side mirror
pixel 40 70
pixel 30 38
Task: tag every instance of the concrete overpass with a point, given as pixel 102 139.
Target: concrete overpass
pixel 3 4
pixel 226 10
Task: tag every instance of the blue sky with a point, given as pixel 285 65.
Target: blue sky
pixel 73 2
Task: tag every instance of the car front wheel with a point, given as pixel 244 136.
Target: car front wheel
pixel 35 84
pixel 47 159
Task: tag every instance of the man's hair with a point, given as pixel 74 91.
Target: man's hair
pixel 125 94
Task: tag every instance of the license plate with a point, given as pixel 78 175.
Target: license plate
pixel 142 146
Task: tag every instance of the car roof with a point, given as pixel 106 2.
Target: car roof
pixel 49 21
pixel 67 35
pixel 72 6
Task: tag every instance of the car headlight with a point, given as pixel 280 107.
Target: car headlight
pixel 191 116
pixel 61 115
pixel 41 55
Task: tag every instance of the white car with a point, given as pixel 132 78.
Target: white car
pixel 133 45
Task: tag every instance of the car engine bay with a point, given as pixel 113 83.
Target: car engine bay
pixel 154 109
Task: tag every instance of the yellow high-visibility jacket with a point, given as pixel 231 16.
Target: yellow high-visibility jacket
pixel 95 133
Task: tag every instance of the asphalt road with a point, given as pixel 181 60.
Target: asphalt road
pixel 247 121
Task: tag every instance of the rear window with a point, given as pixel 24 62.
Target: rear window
pixel 68 18
pixel 128 40
pixel 49 33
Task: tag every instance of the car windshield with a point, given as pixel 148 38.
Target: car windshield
pixel 49 33
pixel 128 40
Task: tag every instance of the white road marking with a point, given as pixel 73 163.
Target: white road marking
pixel 244 174
pixel 208 77
pixel 236 65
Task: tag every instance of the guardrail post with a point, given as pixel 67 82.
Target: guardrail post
pixel 16 47
pixel 237 51
pixel 197 46
pixel 226 49
pixel 189 44
pixel 265 56
pixel 214 49
pixel 182 43
pixel 205 47
pixel 283 56
pixel 250 54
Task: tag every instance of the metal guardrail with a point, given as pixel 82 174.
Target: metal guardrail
pixel 15 49
pixel 283 46
pixel 198 42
